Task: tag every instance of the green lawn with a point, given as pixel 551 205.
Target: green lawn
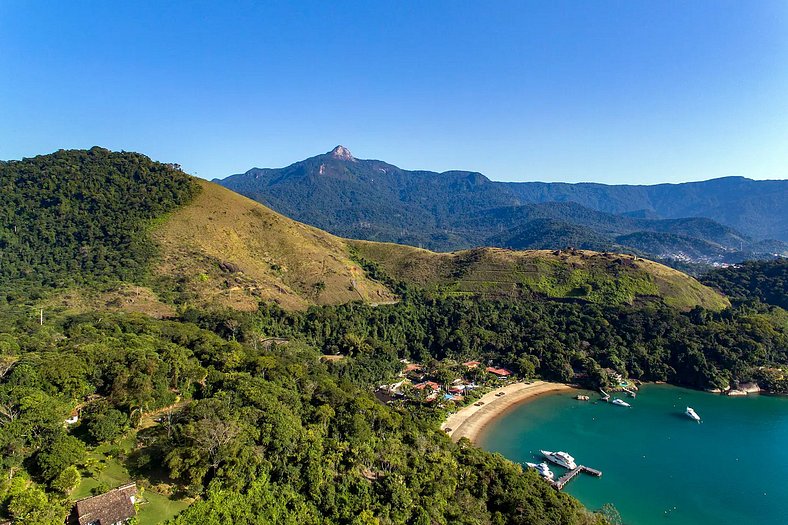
pixel 114 475
pixel 157 508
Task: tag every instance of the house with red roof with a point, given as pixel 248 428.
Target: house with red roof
pixel 432 385
pixel 500 372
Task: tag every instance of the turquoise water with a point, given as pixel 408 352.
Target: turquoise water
pixel 659 466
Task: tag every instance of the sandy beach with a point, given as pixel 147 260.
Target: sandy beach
pixel 470 421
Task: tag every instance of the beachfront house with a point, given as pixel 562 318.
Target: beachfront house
pixel 115 507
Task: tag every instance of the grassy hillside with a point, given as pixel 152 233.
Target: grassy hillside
pixel 224 249
pixel 578 274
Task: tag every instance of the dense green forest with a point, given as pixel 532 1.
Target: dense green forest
pixel 260 435
pixel 765 281
pixel 699 349
pixel 82 216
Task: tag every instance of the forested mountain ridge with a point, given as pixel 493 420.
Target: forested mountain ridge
pixel 757 208
pixel 374 200
pixel 75 216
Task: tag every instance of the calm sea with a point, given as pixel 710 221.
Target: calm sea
pixel 659 466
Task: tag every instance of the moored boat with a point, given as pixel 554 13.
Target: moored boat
pixel 692 414
pixel 542 469
pixel 560 458
pixel 620 402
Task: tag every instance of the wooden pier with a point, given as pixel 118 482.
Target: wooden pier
pixel 569 476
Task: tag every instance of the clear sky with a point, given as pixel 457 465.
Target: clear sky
pixel 618 92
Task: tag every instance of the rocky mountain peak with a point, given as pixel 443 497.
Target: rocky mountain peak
pixel 342 153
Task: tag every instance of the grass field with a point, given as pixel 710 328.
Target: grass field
pixel 157 508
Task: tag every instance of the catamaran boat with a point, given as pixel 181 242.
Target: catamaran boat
pixel 692 414
pixel 542 469
pixel 620 402
pixel 560 458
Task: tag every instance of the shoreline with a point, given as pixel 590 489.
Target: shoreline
pixel 470 421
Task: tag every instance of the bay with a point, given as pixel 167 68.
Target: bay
pixel 659 466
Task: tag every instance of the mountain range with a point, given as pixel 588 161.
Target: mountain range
pixel 716 221
pixel 185 242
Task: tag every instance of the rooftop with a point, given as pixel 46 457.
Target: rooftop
pixel 115 506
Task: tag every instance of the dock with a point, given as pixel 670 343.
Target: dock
pixel 569 476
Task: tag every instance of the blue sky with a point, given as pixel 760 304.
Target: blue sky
pixel 615 92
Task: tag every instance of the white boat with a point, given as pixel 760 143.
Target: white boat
pixel 542 469
pixel 560 458
pixel 620 402
pixel 692 414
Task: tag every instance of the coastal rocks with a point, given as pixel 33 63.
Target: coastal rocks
pixel 743 389
pixel 750 388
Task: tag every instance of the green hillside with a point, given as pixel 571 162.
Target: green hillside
pixel 574 274
pixel 82 216
pixel 765 281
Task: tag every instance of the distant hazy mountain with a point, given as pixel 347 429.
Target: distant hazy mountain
pixel 717 220
pixel 756 208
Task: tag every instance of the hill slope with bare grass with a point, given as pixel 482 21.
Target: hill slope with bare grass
pixel 226 250
pixel 566 275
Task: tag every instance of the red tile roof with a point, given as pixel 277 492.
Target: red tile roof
pixel 432 384
pixel 471 364
pixel 499 371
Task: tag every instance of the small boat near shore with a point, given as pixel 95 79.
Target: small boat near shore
pixel 542 469
pixel 560 458
pixel 581 397
pixel 620 402
pixel 692 414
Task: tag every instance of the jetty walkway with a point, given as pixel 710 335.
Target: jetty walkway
pixel 569 476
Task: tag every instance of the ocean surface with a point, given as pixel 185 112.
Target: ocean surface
pixel 659 466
